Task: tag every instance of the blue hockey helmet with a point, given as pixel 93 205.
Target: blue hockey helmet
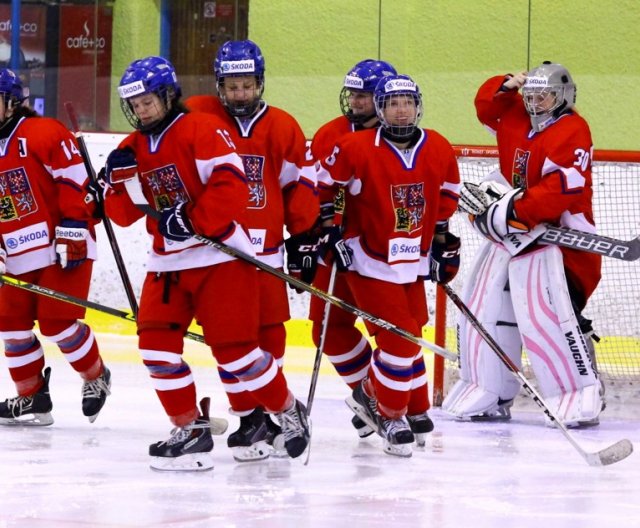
pixel 149 75
pixel 238 58
pixel 11 87
pixel 403 89
pixel 363 78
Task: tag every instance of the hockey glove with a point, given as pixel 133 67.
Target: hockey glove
pixel 444 260
pixel 95 194
pixel 499 220
pixel 332 246
pixel 71 243
pixel 302 256
pixel 174 223
pixel 121 166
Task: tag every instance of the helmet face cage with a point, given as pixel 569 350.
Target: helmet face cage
pixel 11 88
pixel 239 58
pixel 548 92
pixel 362 79
pixel 402 91
pixel 150 75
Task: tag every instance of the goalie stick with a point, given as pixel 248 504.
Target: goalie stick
pixel 592 243
pixel 218 425
pixel 605 457
pixel 117 255
pixel 134 190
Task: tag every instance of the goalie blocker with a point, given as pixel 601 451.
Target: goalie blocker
pixel 524 300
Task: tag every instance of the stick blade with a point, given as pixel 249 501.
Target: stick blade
pixel 612 454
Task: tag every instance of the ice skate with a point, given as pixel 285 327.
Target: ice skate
pixel 295 429
pixel 420 425
pixel 249 442
pixel 29 410
pixel 396 434
pixel 94 394
pixel 501 413
pixel 188 448
pixel 275 438
pixel 361 427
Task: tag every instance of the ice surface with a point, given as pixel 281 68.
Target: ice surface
pixel 518 475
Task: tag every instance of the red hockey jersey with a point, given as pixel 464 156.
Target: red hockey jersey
pixel 280 172
pixel 192 160
pixel 42 181
pixel 553 166
pixel 393 200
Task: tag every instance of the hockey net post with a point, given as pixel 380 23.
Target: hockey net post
pixel 616 301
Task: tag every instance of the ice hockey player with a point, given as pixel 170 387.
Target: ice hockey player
pixel 526 294
pixel 48 239
pixel 186 168
pixel 346 347
pixel 282 194
pixel 407 178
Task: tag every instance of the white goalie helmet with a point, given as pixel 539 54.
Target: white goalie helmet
pixel 548 92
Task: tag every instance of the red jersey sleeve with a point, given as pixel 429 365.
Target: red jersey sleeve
pixel 118 206
pixel 66 165
pixel 491 103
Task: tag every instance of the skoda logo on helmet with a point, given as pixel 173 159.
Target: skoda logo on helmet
pixel 396 85
pixel 533 82
pixel 243 66
pixel 351 81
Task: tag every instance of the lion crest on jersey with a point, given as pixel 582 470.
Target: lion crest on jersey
pixel 253 168
pixel 166 187
pixel 408 204
pixel 16 197
pixel 519 172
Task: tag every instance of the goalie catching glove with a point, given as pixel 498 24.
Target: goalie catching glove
pixel 499 220
pixel 71 243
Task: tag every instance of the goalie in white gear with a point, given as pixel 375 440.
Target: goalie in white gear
pixel 525 294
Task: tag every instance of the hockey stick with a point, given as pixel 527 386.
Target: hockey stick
pixel 319 351
pixel 592 243
pixel 134 190
pixel 605 457
pixel 65 297
pixel 117 255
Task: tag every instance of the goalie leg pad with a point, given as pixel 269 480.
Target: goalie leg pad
pixel 557 349
pixel 485 384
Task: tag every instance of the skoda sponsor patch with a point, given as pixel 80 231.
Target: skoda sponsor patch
pixel 403 249
pixel 242 66
pixel 29 237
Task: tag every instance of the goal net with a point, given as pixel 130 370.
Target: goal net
pixel 614 306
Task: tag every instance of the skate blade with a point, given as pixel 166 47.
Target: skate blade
pixel 192 462
pixel 29 420
pixel 258 451
pixel 399 450
pixel 362 414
